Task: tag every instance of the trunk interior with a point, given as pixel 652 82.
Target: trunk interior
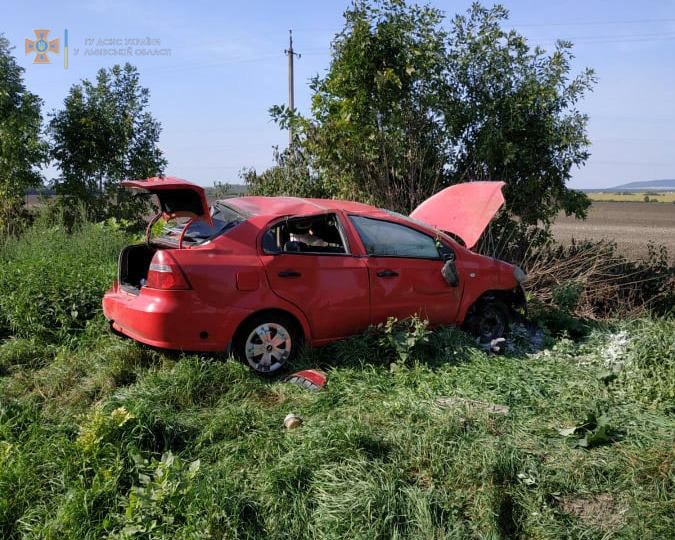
pixel 134 265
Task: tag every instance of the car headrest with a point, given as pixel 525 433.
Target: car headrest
pixel 293 246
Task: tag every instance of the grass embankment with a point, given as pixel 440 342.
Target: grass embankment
pixel 100 436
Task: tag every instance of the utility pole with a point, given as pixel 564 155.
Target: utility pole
pixel 291 101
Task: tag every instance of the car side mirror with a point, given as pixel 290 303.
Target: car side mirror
pixel 446 253
pixel 449 273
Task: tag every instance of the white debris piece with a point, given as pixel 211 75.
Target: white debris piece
pixel 292 421
pixel 613 354
pixel 493 346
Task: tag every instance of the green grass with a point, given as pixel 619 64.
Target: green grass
pixel 102 437
pixel 376 457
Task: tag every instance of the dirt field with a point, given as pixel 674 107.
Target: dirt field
pixel 631 224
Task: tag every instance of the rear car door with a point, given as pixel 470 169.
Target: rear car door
pixel 318 274
pixel 404 268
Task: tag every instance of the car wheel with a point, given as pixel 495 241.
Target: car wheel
pixel 267 343
pixel 490 321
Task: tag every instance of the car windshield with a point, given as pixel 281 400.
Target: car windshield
pixel 223 217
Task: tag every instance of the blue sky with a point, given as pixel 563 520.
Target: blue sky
pixel 227 67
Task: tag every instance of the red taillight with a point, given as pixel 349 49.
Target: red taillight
pixel 164 273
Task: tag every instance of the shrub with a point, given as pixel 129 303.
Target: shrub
pixel 403 342
pixel 52 280
pixel 401 338
pixel 593 280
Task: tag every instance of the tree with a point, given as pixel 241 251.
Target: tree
pixel 512 113
pixel 105 134
pixel 408 107
pixel 22 149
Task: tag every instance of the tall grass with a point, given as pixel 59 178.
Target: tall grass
pixel 52 278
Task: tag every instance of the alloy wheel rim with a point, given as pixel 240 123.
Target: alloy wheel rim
pixel 267 347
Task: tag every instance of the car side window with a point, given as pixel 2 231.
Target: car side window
pixel 387 239
pixel 316 235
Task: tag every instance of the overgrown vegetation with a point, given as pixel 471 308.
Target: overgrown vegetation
pixel 100 436
pixel 52 280
pixel 594 281
pixel 419 433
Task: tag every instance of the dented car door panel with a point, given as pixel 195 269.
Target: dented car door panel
pixel 332 290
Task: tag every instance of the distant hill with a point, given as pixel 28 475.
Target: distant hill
pixel 644 185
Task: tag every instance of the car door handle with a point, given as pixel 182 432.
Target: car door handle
pixel 387 273
pixel 289 273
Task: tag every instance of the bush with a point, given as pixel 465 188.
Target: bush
pixel 593 280
pixel 52 280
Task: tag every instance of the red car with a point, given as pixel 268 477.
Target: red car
pixel 258 276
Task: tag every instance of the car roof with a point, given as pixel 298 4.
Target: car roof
pixel 274 207
pixel 297 206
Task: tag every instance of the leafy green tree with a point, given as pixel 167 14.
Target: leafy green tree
pixel 22 149
pixel 511 110
pixel 105 134
pixel 408 107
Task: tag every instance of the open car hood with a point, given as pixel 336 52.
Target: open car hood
pixel 177 197
pixel 463 209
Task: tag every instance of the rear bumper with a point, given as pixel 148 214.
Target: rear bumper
pixel 176 320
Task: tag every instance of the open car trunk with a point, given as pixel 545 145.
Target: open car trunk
pixel 177 199
pixel 134 263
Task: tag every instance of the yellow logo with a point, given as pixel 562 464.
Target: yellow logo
pixel 41 47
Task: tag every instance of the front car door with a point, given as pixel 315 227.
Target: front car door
pixel 309 262
pixel 404 268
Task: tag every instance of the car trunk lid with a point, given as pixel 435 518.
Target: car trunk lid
pixel 463 209
pixel 177 197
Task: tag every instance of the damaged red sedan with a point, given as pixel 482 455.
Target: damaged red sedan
pixel 258 276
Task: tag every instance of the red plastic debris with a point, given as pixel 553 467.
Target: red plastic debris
pixel 311 379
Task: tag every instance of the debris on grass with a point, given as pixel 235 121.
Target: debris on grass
pixel 614 352
pixel 490 408
pixel 594 431
pixel 495 346
pixel 601 511
pixel 292 421
pixel 311 379
pixel 522 338
pixel 527 478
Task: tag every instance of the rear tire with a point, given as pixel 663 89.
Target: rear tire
pixel 267 343
pixel 489 320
